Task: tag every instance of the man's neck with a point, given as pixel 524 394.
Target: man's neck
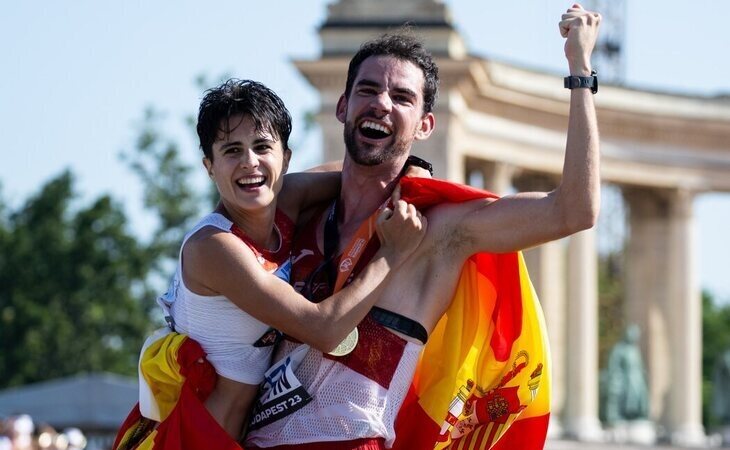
pixel 364 189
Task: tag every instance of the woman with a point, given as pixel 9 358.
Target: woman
pixel 224 294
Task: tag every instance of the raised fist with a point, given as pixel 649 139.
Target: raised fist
pixel 580 28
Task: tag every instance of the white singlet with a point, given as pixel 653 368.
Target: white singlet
pixel 226 332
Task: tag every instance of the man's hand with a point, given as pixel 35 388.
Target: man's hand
pixel 580 28
pixel 400 229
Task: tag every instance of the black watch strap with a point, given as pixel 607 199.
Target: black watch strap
pixel 574 82
pixel 419 162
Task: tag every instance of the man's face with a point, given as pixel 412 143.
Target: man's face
pixel 384 113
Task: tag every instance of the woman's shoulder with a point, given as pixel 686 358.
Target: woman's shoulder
pixel 210 237
pixel 213 220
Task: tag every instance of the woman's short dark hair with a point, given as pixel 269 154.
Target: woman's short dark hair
pixel 241 97
pixel 404 47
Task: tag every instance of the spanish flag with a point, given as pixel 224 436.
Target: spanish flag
pixel 483 381
pixel 178 379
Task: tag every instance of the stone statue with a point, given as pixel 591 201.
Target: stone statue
pixel 625 393
pixel 721 388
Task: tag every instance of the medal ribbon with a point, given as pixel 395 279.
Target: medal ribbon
pixel 354 249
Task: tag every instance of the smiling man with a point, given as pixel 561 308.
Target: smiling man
pixel 391 88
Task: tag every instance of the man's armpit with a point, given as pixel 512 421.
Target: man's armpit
pixel 453 243
pixel 452 236
pixel 448 239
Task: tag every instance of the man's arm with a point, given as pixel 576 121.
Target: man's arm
pixel 581 182
pixel 523 220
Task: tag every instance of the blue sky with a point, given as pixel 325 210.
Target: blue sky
pixel 76 77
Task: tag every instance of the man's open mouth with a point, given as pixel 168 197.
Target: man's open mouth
pixel 372 130
pixel 251 182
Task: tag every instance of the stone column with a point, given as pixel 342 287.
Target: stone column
pixel 333 145
pixel 685 399
pixel 493 176
pixel 498 177
pixel 663 298
pixel 581 407
pixel 647 296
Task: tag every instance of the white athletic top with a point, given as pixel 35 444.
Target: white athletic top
pixel 359 394
pixel 226 332
pixel 310 397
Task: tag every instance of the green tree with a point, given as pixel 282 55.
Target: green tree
pixel 165 178
pixel 715 341
pixel 611 323
pixel 70 288
pixel 76 286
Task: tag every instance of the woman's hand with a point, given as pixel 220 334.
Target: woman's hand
pixel 400 229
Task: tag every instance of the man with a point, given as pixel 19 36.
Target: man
pixel 387 105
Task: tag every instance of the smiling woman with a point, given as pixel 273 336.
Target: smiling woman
pixel 247 166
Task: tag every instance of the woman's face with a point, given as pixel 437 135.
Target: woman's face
pixel 247 165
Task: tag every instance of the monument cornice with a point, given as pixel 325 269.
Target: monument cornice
pixel 648 138
pixel 539 98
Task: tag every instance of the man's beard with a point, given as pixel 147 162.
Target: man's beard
pixel 364 157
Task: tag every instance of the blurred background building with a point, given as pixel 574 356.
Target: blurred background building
pixel 94 403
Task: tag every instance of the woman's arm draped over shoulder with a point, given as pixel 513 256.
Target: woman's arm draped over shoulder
pixel 222 264
pixel 303 190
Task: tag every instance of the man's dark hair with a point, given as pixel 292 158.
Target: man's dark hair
pixel 404 47
pixel 241 97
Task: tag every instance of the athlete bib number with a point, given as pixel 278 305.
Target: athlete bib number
pixel 281 391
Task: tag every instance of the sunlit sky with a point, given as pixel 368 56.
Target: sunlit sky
pixel 76 77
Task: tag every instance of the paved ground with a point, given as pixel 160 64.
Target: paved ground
pixel 573 445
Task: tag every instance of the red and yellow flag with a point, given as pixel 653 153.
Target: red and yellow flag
pixel 180 379
pixel 483 381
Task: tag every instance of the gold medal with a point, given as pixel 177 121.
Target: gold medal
pixel 347 345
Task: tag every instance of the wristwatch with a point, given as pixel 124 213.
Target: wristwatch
pixel 573 82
